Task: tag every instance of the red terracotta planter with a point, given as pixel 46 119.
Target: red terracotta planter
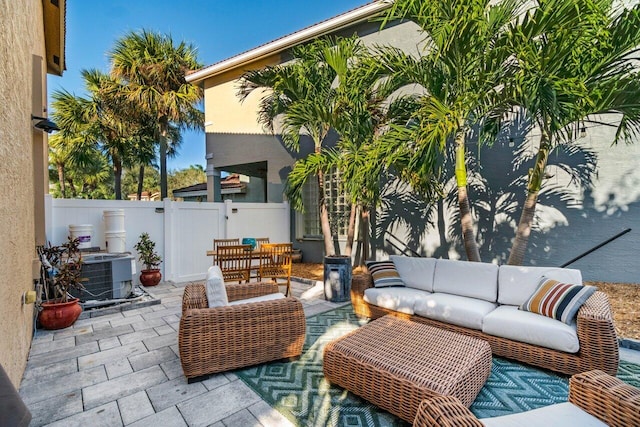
pixel 59 315
pixel 150 277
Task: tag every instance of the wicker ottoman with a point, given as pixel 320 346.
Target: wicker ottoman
pixel 395 363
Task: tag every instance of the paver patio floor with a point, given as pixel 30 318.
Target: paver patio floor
pixel 124 369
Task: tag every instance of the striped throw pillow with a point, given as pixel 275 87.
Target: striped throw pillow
pixel 384 274
pixel 557 300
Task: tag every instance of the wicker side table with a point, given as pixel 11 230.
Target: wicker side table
pixel 395 364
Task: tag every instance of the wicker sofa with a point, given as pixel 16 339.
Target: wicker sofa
pixel 595 399
pixel 219 339
pixel 469 298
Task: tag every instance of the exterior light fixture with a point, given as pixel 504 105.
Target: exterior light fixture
pixel 44 124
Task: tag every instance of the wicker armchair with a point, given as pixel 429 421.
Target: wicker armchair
pixel 213 340
pixel 605 397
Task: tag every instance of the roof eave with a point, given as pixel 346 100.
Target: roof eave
pixel 287 42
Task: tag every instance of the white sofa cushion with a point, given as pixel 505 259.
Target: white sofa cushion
pixel 517 283
pixel 508 322
pixel 261 298
pixel 416 273
pixel 560 414
pixel 454 309
pixel 467 279
pixel 400 299
pixel 214 287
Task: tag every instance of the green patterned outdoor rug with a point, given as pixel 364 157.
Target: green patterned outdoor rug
pixel 299 391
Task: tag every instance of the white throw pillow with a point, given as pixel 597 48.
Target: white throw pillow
pixel 216 292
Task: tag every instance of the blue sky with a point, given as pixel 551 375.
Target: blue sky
pixel 218 28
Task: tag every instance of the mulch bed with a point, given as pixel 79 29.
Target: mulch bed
pixel 624 298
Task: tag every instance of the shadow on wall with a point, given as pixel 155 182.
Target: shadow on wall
pixel 570 216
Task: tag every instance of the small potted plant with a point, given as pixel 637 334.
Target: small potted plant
pixel 63 268
pixel 150 275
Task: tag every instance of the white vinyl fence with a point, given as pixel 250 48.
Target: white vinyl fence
pixel 183 231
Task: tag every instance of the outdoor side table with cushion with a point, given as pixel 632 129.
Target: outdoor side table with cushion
pixel 395 364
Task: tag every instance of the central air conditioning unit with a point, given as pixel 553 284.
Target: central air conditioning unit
pixel 107 277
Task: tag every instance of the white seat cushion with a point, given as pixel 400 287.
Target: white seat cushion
pixel 261 298
pixel 395 298
pixel 517 283
pixel 214 287
pixel 454 309
pixel 561 414
pixel 416 273
pixel 467 279
pixel 507 321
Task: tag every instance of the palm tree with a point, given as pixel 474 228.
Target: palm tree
pixel 461 70
pixel 99 120
pixel 303 93
pixel 573 60
pixel 154 70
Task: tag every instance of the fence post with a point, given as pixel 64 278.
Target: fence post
pixel 169 248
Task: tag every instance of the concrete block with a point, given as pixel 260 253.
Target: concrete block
pixel 118 368
pixel 103 357
pixel 55 408
pixel 47 372
pixel 151 358
pixel 135 407
pixel 172 369
pixel 242 418
pixel 168 418
pixel 161 341
pixel 101 416
pixel 173 392
pixel 108 343
pixel 268 416
pixel 109 391
pixel 68 353
pixel 228 399
pixel 38 391
pixel 137 336
pixel 104 333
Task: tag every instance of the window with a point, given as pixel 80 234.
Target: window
pixel 337 205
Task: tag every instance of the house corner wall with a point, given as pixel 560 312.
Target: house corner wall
pixel 22 86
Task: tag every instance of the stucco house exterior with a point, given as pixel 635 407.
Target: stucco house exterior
pixel 33 44
pixel 574 214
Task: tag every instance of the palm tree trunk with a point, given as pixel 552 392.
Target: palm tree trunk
pixel 163 161
pixel 364 232
pixel 466 220
pixel 74 192
pixel 140 182
pixel 516 257
pixel 117 175
pixel 351 230
pixel 329 248
pixel 63 187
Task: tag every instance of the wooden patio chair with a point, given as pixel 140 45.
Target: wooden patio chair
pixel 275 263
pixel 235 262
pixel 223 242
pixel 261 241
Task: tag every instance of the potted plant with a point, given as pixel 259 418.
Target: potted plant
pixel 63 268
pixel 150 275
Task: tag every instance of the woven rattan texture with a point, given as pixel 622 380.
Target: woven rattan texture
pixel 219 339
pixel 395 363
pixel 596 332
pixel 612 401
pixel 444 411
pixel 607 398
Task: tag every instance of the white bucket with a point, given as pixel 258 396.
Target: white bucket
pixel 82 232
pixel 115 241
pixel 114 220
